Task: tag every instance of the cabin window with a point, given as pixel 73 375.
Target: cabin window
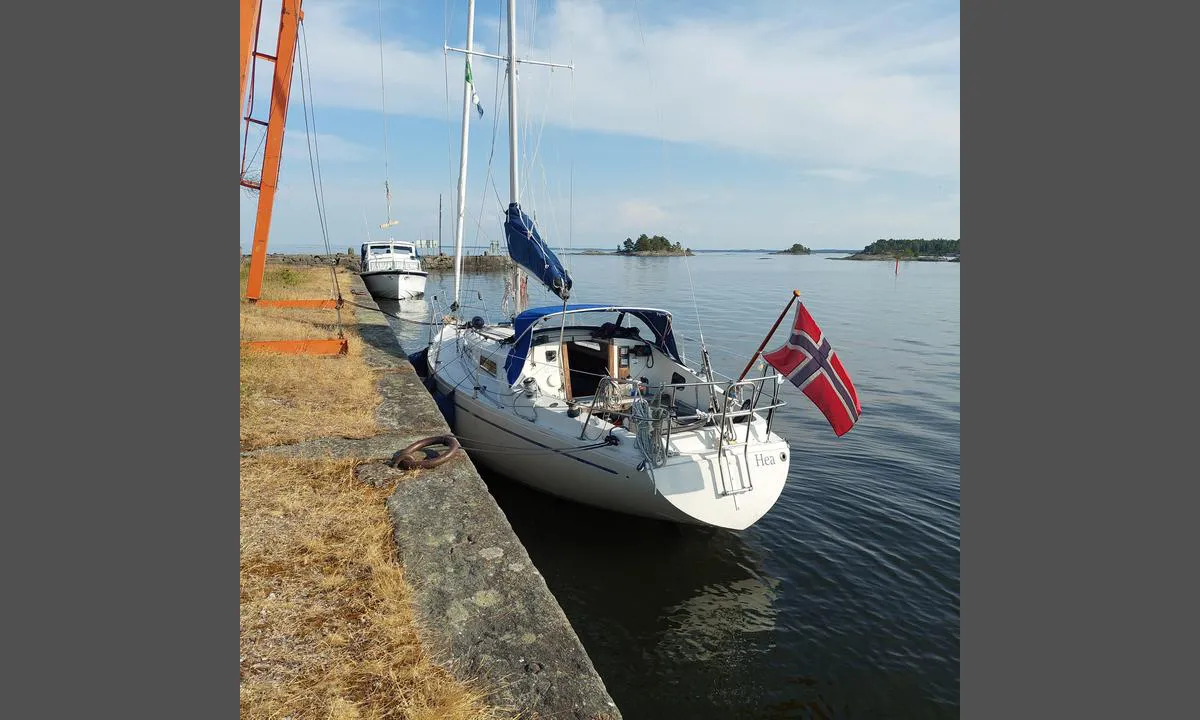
pixel 645 332
pixel 488 365
pixel 381 251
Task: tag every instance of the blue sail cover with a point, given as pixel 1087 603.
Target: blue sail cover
pixel 526 248
pixel 659 322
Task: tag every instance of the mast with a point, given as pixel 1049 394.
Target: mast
pixel 514 194
pixel 511 61
pixel 462 161
pixel 513 189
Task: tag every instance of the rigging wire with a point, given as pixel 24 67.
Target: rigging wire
pixel 662 142
pixel 489 177
pixel 383 106
pixel 315 169
pixel 498 97
pixel 391 315
pixel 535 156
pixel 262 141
pixel 250 100
pixel 449 127
pixel 311 137
pixel 667 166
pixel 571 174
pixel 541 195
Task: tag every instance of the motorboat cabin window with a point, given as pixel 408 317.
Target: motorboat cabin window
pixel 381 250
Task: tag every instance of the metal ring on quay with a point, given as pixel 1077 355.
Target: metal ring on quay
pixel 409 459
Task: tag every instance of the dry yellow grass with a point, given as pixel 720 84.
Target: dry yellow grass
pixel 286 282
pixel 326 626
pixel 291 398
pixel 297 282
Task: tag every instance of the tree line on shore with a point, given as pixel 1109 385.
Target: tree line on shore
pixel 911 247
pixel 645 243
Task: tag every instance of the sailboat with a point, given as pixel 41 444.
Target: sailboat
pixel 595 403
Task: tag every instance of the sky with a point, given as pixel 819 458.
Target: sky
pixel 718 125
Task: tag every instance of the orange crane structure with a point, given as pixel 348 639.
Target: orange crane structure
pixel 251 20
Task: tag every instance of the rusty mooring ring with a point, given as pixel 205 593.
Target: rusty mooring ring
pixel 408 458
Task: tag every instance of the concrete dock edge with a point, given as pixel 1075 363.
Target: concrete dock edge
pixel 483 609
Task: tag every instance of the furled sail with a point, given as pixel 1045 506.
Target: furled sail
pixel 526 248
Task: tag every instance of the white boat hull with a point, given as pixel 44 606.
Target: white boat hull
pixel 395 284
pixel 691 487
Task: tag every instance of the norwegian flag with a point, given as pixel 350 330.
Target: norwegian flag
pixel 809 363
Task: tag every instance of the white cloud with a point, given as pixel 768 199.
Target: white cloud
pixel 634 213
pixel 327 148
pixel 874 95
pixel 848 175
pixel 873 100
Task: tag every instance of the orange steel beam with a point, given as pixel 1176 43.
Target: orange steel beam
pixel 337 346
pixel 250 10
pixel 309 304
pixel 280 89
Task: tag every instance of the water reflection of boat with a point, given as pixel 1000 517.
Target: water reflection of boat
pixel 717 620
pixel 642 589
pixel 405 317
pixel 412 310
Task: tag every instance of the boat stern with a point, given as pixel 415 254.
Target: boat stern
pixel 732 489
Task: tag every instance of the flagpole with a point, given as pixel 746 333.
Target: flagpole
pixel 795 294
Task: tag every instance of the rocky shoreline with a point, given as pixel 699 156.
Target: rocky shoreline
pixel 471 263
pixel 893 258
pixel 430 263
pixel 641 253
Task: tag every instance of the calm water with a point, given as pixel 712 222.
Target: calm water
pixel 843 601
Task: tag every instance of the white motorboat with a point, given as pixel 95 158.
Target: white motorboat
pixel 391 270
